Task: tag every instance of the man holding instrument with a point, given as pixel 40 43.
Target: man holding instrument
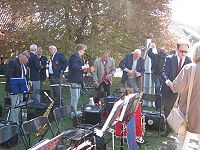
pixel 75 74
pixel 104 70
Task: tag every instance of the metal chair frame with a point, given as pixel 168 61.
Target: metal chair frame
pixel 75 134
pixel 33 125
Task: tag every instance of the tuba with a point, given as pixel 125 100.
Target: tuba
pixel 41 130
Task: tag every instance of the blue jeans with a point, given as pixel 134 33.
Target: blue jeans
pixel 158 84
pixel 75 95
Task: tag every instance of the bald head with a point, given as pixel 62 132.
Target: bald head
pixel 137 54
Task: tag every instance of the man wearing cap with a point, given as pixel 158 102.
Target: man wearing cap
pixel 75 74
pixel 172 66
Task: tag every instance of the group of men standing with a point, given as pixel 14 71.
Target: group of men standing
pixel 32 66
pixel 164 68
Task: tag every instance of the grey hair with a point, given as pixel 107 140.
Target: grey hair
pixel 52 47
pixel 39 48
pixel 81 47
pixel 137 51
pixel 33 47
pixel 24 53
pixel 196 54
pixel 106 52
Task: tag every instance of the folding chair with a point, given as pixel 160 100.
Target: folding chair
pixel 33 125
pixel 8 132
pixel 74 134
pixel 150 98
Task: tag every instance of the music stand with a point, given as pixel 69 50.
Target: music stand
pixel 130 106
pixel 18 86
pixel 112 118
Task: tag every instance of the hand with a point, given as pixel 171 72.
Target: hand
pixel 137 74
pixel 168 82
pixel 96 84
pixel 130 71
pixel 30 83
pixel 108 76
pixel 86 66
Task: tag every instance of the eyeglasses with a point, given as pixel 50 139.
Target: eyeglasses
pixel 182 51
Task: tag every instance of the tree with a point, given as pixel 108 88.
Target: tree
pixel 115 25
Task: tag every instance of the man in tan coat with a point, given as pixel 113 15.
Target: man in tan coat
pixel 104 69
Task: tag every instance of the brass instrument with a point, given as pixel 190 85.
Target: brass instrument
pixel 41 130
pixel 143 124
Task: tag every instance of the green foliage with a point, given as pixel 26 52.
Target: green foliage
pixel 115 25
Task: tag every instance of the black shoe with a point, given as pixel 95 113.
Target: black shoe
pixel 165 133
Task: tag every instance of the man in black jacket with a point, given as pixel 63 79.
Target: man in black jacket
pixel 172 66
pixel 16 69
pixel 158 61
pixel 57 65
pixel 35 67
pixel 133 69
pixel 43 61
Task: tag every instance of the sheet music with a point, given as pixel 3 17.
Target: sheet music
pixel 127 101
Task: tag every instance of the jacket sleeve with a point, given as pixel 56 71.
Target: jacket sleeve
pixel 94 74
pixel 64 62
pixel 151 54
pixel 123 62
pixel 10 70
pixel 141 71
pixel 166 69
pixel 113 69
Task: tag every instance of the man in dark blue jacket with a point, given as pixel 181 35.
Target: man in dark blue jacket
pixel 57 65
pixel 35 67
pixel 43 61
pixel 16 69
pixel 172 66
pixel 133 69
pixel 75 74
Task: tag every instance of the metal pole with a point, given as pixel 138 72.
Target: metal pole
pixel 148 85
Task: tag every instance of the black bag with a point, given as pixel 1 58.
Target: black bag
pixel 109 102
pixel 11 142
pixel 100 142
pixel 92 114
pixel 153 119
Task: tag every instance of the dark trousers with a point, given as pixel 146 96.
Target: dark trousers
pixel 158 84
pixel 54 81
pixel 106 88
pixel 168 105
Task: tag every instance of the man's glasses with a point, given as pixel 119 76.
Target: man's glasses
pixel 182 51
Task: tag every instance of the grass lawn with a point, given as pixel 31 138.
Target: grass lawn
pixel 151 141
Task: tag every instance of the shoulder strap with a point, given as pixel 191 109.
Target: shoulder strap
pixel 190 90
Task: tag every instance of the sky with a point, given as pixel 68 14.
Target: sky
pixel 186 12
